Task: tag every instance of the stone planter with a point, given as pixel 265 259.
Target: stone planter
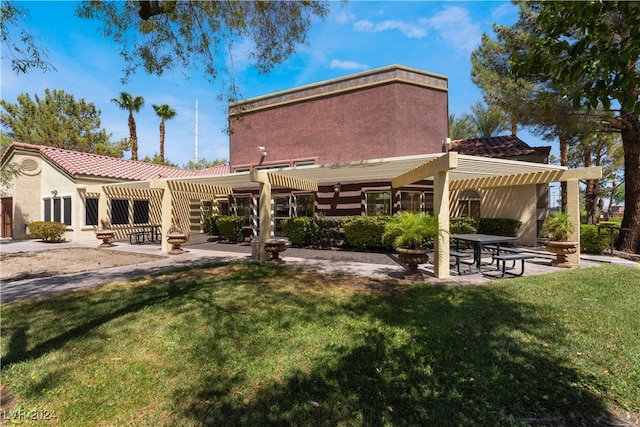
pixel 274 247
pixel 176 238
pixel 412 257
pixel 105 236
pixel 562 249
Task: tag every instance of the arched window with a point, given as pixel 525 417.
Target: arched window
pixel 468 204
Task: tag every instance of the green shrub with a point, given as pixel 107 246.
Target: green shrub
pixel 364 232
pixel 325 232
pixel 411 230
pixel 210 227
pixel 590 242
pixel 49 231
pixel 463 225
pixel 499 226
pixel 318 232
pixel 230 227
pixel 298 230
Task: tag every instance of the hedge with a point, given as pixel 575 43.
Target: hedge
pixel 317 232
pixel 298 230
pixel 463 225
pixel 364 232
pixel 49 231
pixel 230 227
pixel 590 242
pixel 499 226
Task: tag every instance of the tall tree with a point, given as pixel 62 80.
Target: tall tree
pixel 131 104
pixel 489 121
pixel 58 120
pixel 159 36
pixel 19 45
pixel 165 113
pixel 597 45
pixel 461 128
pixel 203 163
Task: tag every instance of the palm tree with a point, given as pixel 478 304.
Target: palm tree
pixel 129 103
pixel 490 121
pixel 165 113
pixel 461 128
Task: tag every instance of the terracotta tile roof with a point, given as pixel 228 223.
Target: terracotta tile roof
pixel 77 163
pixel 506 146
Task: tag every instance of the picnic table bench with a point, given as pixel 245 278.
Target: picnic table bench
pixel 521 256
pixel 151 232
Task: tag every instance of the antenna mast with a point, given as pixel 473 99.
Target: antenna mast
pixel 196 156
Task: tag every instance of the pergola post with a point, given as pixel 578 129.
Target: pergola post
pixel 166 212
pixel 265 218
pixel 441 210
pixel 573 209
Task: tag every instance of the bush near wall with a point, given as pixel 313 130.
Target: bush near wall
pixel 325 232
pixel 364 232
pixel 463 225
pixel 230 227
pixel 49 231
pixel 590 242
pixel 499 226
pixel 318 232
pixel 210 226
pixel 298 230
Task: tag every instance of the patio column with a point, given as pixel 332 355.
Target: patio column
pixel 166 211
pixel 265 217
pixel 573 209
pixel 441 210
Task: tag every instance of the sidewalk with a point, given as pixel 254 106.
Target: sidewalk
pixel 199 250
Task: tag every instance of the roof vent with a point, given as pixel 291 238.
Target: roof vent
pixel 30 167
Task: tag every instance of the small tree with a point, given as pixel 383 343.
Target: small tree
pixel 165 113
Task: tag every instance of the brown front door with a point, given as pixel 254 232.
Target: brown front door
pixel 6 216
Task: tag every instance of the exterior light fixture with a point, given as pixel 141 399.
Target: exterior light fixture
pixel 337 187
pixel 54 193
pixel 262 151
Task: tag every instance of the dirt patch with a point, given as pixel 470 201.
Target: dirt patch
pixel 55 262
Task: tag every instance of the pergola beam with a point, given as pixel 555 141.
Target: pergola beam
pixel 528 178
pixel 266 180
pixel 429 169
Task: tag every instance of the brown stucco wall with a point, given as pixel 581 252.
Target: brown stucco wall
pixel 379 119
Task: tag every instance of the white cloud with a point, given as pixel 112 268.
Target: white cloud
pixel 344 17
pixel 456 28
pixel 348 65
pixel 410 30
pixel 503 10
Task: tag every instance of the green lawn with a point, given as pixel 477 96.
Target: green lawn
pixel 248 344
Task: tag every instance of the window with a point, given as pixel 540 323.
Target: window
pixel 306 163
pixel 304 204
pixel 468 204
pixel 282 211
pixel 119 211
pixel 66 208
pixel 223 207
pixel 410 201
pixel 243 208
pixel 91 211
pixel 378 203
pixel 47 209
pixel 141 212
pixel 57 210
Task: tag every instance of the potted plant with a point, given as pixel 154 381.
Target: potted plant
pixel 558 227
pixel 408 233
pixel 105 233
pixel 176 237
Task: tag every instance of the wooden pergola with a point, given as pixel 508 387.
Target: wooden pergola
pixel 449 171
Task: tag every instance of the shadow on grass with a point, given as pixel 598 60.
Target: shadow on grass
pixel 426 355
pixel 431 356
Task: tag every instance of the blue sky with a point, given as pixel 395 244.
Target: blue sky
pixel 436 36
